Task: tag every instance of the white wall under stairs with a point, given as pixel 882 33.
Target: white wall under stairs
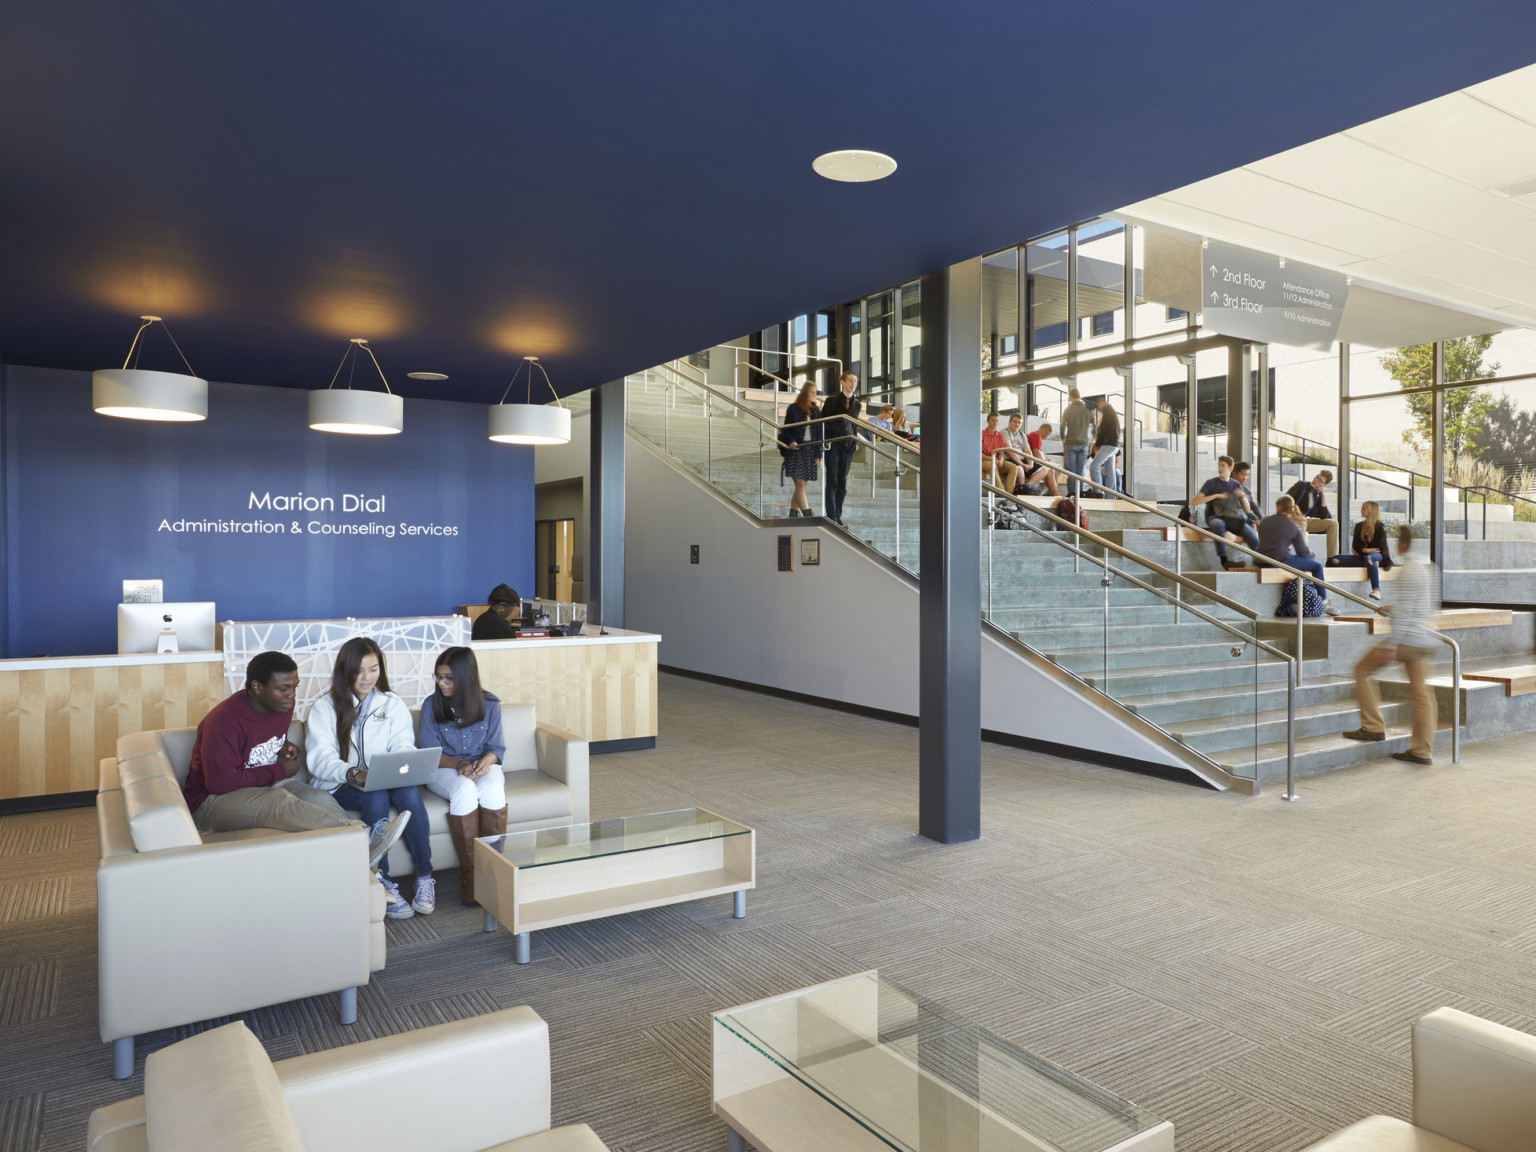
pixel 842 631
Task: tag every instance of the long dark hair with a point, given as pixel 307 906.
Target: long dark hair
pixel 469 697
pixel 348 660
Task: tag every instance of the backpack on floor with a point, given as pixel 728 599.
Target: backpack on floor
pixel 1069 509
pixel 1311 600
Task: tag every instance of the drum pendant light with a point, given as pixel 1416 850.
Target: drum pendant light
pixel 530 423
pixel 356 411
pixel 134 393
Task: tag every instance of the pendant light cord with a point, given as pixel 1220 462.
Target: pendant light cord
pixel 348 354
pixel 135 345
pixel 531 364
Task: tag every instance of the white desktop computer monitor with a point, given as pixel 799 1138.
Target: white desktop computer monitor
pixel 141 626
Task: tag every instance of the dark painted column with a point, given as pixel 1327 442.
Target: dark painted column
pixel 5 522
pixel 605 508
pixel 1239 403
pixel 949 680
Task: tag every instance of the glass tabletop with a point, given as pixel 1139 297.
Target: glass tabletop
pixel 915 1075
pixel 611 837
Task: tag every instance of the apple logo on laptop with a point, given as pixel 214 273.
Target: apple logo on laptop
pixel 404 768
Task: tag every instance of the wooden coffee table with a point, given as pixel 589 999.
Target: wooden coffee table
pixel 529 881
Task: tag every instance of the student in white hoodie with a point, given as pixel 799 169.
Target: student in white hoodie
pixel 358 718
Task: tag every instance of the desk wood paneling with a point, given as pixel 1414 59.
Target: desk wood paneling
pixel 57 723
pixel 593 691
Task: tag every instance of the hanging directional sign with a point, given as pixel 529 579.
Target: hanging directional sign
pixel 1263 298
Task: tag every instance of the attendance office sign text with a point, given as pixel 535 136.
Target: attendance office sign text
pixel 310 516
pixel 1263 298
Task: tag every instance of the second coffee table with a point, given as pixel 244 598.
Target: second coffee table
pixel 529 881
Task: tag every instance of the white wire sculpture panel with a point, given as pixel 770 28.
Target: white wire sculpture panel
pixel 410 646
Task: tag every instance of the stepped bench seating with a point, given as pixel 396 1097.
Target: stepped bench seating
pixel 1333 575
pixel 1473 1086
pixel 1447 620
pixel 421 1091
pixel 1518 680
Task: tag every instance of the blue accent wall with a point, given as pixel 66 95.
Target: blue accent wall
pixel 92 500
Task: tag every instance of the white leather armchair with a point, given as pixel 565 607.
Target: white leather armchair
pixel 1474 1090
pixel 485 1081
pixel 191 927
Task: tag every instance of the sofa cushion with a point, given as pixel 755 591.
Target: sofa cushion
pixel 112 835
pixel 1386 1134
pixel 217 1090
pixel 106 775
pixel 535 796
pixel 157 815
pixel 570 1138
pixel 177 745
pixel 155 763
pixel 518 728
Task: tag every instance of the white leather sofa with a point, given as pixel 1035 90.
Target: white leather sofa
pixel 1474 1090
pixel 190 927
pixel 547 774
pixel 477 1085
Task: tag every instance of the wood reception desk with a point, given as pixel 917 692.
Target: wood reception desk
pixel 59 717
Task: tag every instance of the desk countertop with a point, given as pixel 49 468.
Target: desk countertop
pixel 49 663
pixel 612 636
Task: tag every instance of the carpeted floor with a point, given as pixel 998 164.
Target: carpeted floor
pixel 1243 967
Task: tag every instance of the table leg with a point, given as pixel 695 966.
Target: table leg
pixel 733 1140
pixel 490 922
pixel 524 947
pixel 739 905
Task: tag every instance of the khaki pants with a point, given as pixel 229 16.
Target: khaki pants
pixel 1425 712
pixel 1331 527
pixel 1007 473
pixel 287 807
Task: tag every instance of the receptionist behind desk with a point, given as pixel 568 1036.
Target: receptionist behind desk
pixel 496 623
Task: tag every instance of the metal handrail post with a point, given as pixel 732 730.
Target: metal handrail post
pixel 1301 616
pixel 1105 580
pixel 898 503
pixel 709 439
pixel 762 502
pixel 1292 671
pixel 991 528
pixel 666 398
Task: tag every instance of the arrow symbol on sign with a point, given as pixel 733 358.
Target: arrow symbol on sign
pixel 1213 271
pixel 1213 297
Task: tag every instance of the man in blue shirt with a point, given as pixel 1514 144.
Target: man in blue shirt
pixel 1228 511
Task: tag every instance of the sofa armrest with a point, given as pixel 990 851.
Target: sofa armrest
pixel 188 934
pixel 494 1068
pixel 566 758
pixel 1474 1081
pixel 109 1125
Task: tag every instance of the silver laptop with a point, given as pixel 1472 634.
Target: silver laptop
pixel 397 769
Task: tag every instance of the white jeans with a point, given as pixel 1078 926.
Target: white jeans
pixel 465 795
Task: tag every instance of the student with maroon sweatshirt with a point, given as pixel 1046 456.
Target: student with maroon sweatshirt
pixel 241 774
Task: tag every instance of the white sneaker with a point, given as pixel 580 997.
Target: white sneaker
pixel 1329 609
pixel 395 906
pixel 1374 594
pixel 425 898
pixel 383 835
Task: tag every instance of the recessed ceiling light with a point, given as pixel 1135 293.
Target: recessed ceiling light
pixel 427 375
pixel 853 165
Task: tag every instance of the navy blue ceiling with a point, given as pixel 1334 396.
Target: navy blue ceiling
pixel 612 184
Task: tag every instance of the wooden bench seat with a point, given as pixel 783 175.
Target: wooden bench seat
pixel 1332 575
pixel 1518 680
pixel 1446 621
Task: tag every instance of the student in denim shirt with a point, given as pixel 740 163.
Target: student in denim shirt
pixel 465 722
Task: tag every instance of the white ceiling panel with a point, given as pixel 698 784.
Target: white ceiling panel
pixel 1374 318
pixel 1514 92
pixel 1391 276
pixel 1298 212
pixel 1243 233
pixel 1460 136
pixel 1517 242
pixel 1522 314
pixel 1357 173
pixel 1472 268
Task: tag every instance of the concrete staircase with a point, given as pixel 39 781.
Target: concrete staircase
pixel 1208 688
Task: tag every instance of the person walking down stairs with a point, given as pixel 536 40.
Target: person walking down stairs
pixel 800 446
pixel 1413 610
pixel 841 442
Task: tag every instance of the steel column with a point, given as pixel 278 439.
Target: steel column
pixel 1346 480
pixel 1239 402
pixel 949 679
pixel 1261 451
pixel 604 584
pixel 1191 438
pixel 1437 465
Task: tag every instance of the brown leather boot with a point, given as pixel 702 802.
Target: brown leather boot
pixel 493 823
pixel 463 830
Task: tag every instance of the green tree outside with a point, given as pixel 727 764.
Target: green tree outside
pixel 1466 409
